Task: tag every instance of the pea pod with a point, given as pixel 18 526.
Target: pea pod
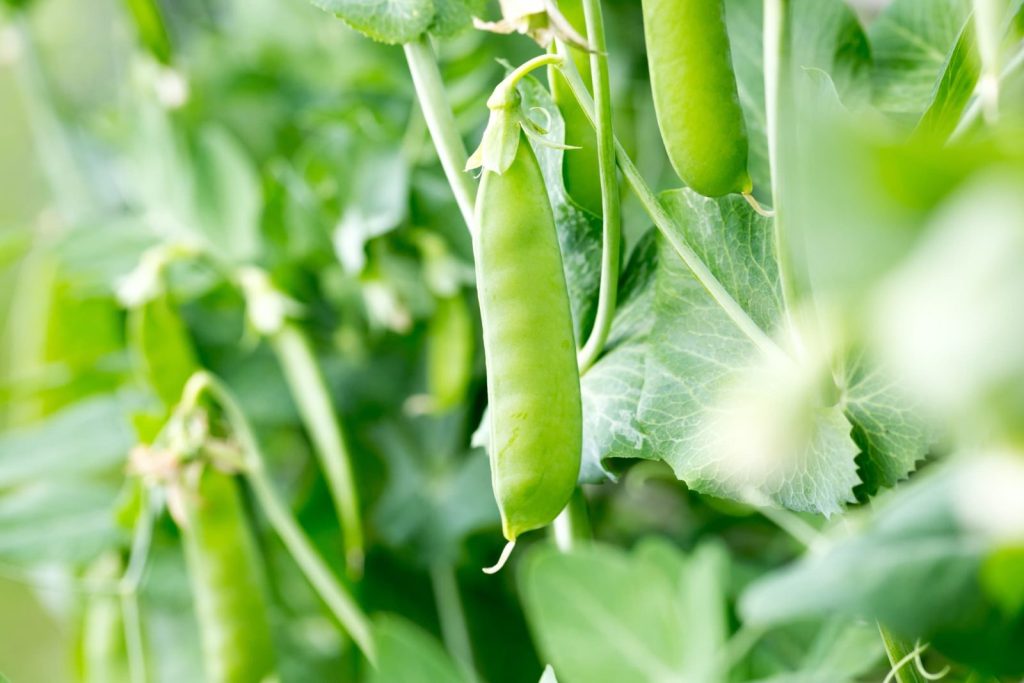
pixel 533 382
pixel 695 94
pixel 450 352
pixel 223 563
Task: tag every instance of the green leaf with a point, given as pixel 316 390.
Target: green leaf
pixel 89 436
pixel 703 385
pixel 579 232
pixel 954 90
pixel 378 203
pixel 826 36
pixel 452 16
pixel 600 615
pixel 389 21
pixel 613 386
pixel 911 42
pixel 228 196
pixel 67 521
pixel 407 653
pixel 165 351
pixel 889 427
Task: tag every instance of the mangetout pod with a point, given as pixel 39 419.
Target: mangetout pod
pixel 695 95
pixel 533 382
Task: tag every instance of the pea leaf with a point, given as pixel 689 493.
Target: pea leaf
pixel 389 21
pixel 697 353
pixel 911 42
pixel 954 88
pixel 453 16
pixel 826 36
pixel 613 386
pixel 407 653
pixel 90 436
pixel 579 232
pixel 600 615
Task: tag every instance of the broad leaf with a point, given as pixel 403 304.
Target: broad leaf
pixel 826 36
pixel 955 88
pixel 600 615
pixel 699 392
pixel 407 653
pixel 89 436
pixel 912 41
pixel 389 21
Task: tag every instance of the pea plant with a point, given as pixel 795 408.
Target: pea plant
pixel 453 341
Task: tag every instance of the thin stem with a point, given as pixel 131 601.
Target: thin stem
pixel 338 600
pixel 317 410
pixel 142 540
pixel 665 225
pixel 572 526
pixel 452 617
pixel 610 210
pixel 426 78
pixel 778 105
pixel 975 108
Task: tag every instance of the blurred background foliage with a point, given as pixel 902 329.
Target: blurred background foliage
pixel 271 135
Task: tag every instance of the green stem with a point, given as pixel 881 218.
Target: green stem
pixel 426 78
pixel 975 108
pixel 317 410
pixel 572 526
pixel 610 210
pixel 666 226
pixel 778 107
pixel 142 540
pixel 338 600
pixel 452 617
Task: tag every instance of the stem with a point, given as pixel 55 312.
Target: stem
pixel 610 210
pixel 338 600
pixel 664 223
pixel 317 410
pixel 452 617
pixel 572 526
pixel 975 108
pixel 128 588
pixel 988 21
pixel 778 104
pixel 426 78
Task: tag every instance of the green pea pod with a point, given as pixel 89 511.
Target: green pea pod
pixel 223 567
pixel 695 94
pixel 580 167
pixel 450 352
pixel 533 382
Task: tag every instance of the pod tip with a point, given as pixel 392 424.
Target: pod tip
pixel 505 554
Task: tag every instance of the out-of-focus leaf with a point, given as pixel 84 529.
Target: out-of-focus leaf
pixel 66 521
pixel 89 436
pixel 406 653
pixel 602 616
pixel 913 565
pixel 389 21
pixel 378 203
pixel 433 499
pixel 911 42
pixel 954 90
pixel 164 349
pixel 228 196
pixel 826 36
pixel 453 16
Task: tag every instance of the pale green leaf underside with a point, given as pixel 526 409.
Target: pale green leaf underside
pixel 696 351
pixel 389 21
